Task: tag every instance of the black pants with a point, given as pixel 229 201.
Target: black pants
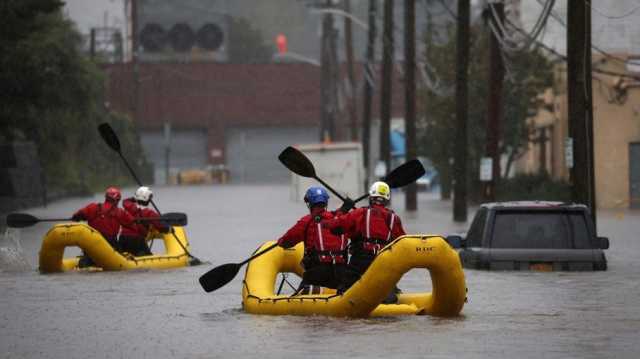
pixel 134 245
pixel 327 275
pixel 360 262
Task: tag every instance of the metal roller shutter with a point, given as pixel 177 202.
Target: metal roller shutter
pixel 188 150
pixel 252 152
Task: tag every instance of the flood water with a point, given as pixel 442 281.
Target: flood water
pixel 162 314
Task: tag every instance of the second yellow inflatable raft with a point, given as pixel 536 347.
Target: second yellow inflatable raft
pixel 364 297
pixel 105 257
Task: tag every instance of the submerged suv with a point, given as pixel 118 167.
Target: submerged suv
pixel 537 235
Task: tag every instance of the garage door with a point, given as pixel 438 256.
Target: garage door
pixel 252 153
pixel 188 150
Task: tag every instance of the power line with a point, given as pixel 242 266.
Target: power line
pixel 564 58
pixel 614 17
pixel 560 21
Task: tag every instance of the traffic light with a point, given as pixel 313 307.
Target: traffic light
pixel 281 42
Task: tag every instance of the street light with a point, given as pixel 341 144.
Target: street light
pixel 335 11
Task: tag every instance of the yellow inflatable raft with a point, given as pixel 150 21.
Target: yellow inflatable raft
pixel 364 297
pixel 105 257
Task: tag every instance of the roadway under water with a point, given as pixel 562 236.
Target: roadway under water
pixel 159 314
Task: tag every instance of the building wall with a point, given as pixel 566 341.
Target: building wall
pixel 616 125
pixel 222 98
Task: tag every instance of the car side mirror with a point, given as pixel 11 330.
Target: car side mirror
pixel 604 242
pixel 456 241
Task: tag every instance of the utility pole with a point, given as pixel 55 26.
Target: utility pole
pixel 494 103
pixel 368 89
pixel 460 150
pixel 580 102
pixel 385 98
pixel 92 43
pixel 411 203
pixel 328 81
pixel 352 100
pixel 324 79
pixel 134 59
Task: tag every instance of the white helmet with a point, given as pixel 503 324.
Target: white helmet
pixel 143 194
pixel 381 190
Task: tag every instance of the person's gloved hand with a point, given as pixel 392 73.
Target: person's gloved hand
pixel 284 244
pixel 347 205
pixel 76 218
pixel 337 231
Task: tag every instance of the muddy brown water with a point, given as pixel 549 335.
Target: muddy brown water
pixel 165 314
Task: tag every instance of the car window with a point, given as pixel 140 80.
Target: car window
pixel 581 237
pixel 476 231
pixel 530 230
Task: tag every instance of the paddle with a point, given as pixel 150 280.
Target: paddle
pixel 299 164
pixel 221 275
pixel 21 220
pixel 401 176
pixel 110 137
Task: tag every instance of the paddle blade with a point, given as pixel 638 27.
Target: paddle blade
pixel 110 137
pixel 219 276
pixel 297 162
pixel 21 220
pixel 404 174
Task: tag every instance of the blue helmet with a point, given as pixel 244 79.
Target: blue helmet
pixel 316 195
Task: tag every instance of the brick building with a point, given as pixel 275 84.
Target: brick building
pixel 239 115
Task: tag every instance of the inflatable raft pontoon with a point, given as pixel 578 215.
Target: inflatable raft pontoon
pixel 104 256
pixel 364 298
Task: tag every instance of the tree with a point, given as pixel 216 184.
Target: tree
pixel 528 74
pixel 246 44
pixel 53 96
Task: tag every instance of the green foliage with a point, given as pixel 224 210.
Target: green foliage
pixel 246 44
pixel 529 74
pixel 53 95
pixel 529 187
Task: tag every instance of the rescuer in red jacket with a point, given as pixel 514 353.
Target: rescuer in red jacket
pixel 369 228
pixel 107 218
pixel 325 255
pixel 134 239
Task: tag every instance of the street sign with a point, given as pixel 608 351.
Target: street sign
pixel 486 169
pixel 568 152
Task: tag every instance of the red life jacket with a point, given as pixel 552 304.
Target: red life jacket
pixel 319 242
pixel 139 229
pixel 105 220
pixel 377 228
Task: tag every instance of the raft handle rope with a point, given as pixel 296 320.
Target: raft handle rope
pixel 284 279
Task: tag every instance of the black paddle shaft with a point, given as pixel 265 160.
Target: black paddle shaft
pixel 223 274
pixel 402 175
pixel 21 220
pixel 110 137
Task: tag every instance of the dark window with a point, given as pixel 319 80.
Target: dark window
pixel 474 236
pixel 581 237
pixel 531 230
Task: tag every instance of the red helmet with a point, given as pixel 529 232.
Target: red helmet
pixel 112 194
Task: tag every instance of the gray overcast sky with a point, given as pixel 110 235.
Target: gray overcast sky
pixel 92 13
